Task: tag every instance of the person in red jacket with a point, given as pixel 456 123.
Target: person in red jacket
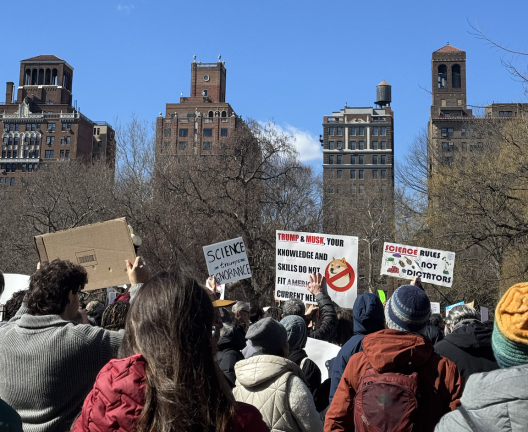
pixel 400 349
pixel 167 379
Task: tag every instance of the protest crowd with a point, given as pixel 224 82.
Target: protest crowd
pixel 170 355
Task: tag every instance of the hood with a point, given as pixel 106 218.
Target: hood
pixel 368 314
pixel 261 368
pixel 388 350
pixel 470 334
pixel 231 338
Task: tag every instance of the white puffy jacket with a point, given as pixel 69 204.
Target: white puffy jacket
pixel 276 387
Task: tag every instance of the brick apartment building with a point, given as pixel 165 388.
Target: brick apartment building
pixel 451 123
pixel 196 124
pixel 41 125
pixel 358 159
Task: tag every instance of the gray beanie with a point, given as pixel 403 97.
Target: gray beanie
pixel 296 330
pixel 267 336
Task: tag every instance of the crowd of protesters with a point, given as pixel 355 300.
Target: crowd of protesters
pixel 169 355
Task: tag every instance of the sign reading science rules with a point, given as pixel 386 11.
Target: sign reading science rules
pixel 298 254
pixel 406 262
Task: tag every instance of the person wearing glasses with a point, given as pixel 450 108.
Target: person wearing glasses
pixel 49 362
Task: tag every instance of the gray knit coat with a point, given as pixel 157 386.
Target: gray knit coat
pixel 48 365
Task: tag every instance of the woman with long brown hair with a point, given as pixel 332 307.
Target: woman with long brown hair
pixel 167 379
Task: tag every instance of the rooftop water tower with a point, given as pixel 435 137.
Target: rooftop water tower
pixel 383 94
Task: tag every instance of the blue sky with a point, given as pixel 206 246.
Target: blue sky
pixel 290 61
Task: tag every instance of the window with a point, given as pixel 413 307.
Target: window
pixel 352 174
pixel 67 155
pixel 339 159
pixel 223 132
pixel 63 140
pixel 69 126
pixel 167 132
pixel 383 174
pixel 182 145
pixel 352 159
pixel 505 114
pixel 62 154
pixel 330 145
pixel 98 131
pixel 207 145
pixel 361 130
pixel 11 127
pixel 28 127
pixel 445 146
pixel 442 76
pixel 383 130
pixel 339 174
pixel 375 130
pixel 16 141
pixel 455 76
pixel 340 145
pixel 464 146
pixel 331 131
pixel 10 142
pixel 361 159
pixel 353 130
pixel 331 159
pixel 9 154
pixel 68 140
pixel 25 154
pixel 95 131
pixel 205 92
pixel 361 189
pixel 36 156
pixel 448 160
pixel 361 174
pixel 17 127
pixel 3 153
pixel 383 187
pixel 374 173
pixel 338 190
pixel 448 132
pixel 352 145
pixel 184 132
pixel 339 131
pixel 383 159
pixel 208 132
pixel 26 140
pixel 63 127
pixel 15 154
pixel 48 154
pixel 375 160
pixel 12 181
pixel 353 188
pixel 384 145
pixel 51 127
pixel 362 145
pixel 50 140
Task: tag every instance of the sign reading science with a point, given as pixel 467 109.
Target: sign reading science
pixel 407 262
pixel 334 256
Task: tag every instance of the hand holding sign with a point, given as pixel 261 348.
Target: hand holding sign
pixel 137 273
pixel 316 280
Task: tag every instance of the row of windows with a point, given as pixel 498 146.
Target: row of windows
pixel 15 141
pixel 207 132
pixel 357 159
pixel 15 127
pixel 12 167
pixel 182 145
pixel 449 132
pixel 7 181
pixel 356 130
pixel 361 174
pixel 339 188
pixel 359 144
pixel 455 76
pixel 449 146
pixel 14 154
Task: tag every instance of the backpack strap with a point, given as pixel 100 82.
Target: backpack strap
pixel 467 417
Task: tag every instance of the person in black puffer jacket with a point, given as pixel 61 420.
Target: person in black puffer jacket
pixel 434 329
pixel 468 342
pixel 230 344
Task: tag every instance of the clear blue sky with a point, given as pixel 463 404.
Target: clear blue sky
pixel 291 61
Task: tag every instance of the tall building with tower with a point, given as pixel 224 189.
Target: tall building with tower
pixel 197 123
pixel 358 170
pixel 40 123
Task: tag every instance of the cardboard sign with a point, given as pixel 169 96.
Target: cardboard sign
pixel 298 254
pixel 101 249
pixel 448 308
pixel 435 307
pixel 227 261
pixel 407 262
pixel 484 313
pixel 320 352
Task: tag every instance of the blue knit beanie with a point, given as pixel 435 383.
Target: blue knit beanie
pixel 408 309
pixel 296 330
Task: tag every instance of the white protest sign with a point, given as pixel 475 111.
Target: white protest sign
pixel 448 308
pixel 13 283
pixel 406 262
pixel 320 352
pixel 484 316
pixel 227 261
pixel 298 254
pixel 435 307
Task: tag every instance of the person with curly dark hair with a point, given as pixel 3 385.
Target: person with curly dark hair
pixel 48 362
pixel 13 304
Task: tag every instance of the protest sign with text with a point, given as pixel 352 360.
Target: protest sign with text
pixel 407 262
pixel 298 254
pixel 227 261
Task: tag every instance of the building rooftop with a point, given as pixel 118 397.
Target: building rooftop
pixel 449 49
pixel 45 57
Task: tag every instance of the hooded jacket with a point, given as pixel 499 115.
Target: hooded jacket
pixel 434 333
pixel 277 388
pixel 368 318
pixel 118 397
pixel 469 347
pixel 229 352
pixel 494 401
pixel 440 384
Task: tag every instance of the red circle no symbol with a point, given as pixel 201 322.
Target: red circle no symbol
pixel 330 281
